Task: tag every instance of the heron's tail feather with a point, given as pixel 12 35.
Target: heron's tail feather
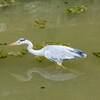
pixel 81 54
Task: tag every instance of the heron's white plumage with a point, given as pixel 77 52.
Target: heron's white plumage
pixel 60 53
pixel 57 53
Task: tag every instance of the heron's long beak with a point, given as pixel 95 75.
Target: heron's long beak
pixel 13 44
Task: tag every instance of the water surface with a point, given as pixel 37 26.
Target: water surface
pixel 82 31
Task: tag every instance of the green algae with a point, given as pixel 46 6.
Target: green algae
pixel 96 54
pixel 3 43
pixel 9 3
pixel 20 53
pixel 40 23
pixel 76 9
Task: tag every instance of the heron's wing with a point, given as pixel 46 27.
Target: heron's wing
pixel 58 54
pixel 61 53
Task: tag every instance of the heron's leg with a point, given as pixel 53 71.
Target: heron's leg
pixel 60 65
pixel 64 67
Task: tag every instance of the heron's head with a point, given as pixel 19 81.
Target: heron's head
pixel 19 42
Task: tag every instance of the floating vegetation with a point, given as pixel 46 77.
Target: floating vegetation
pixel 3 54
pixel 40 23
pixel 9 3
pixel 66 2
pixel 20 53
pixel 42 44
pixel 55 43
pixel 3 43
pixel 39 46
pixel 43 87
pixel 96 54
pixel 76 9
pixel 15 54
pixel 24 51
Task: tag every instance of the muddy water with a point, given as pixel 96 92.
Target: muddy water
pixel 25 78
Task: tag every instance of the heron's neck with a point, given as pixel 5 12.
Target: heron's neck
pixel 32 51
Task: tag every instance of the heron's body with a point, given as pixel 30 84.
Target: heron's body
pixel 56 53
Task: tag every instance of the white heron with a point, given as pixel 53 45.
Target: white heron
pixel 56 53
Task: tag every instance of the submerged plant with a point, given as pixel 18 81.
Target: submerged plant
pixel 76 9
pixel 40 23
pixel 96 54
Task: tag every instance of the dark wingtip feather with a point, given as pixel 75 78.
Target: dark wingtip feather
pixel 81 54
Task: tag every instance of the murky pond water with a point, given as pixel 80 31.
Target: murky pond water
pixel 25 78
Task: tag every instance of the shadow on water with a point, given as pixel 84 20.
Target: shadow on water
pixel 50 74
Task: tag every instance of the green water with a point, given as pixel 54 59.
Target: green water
pixel 82 31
